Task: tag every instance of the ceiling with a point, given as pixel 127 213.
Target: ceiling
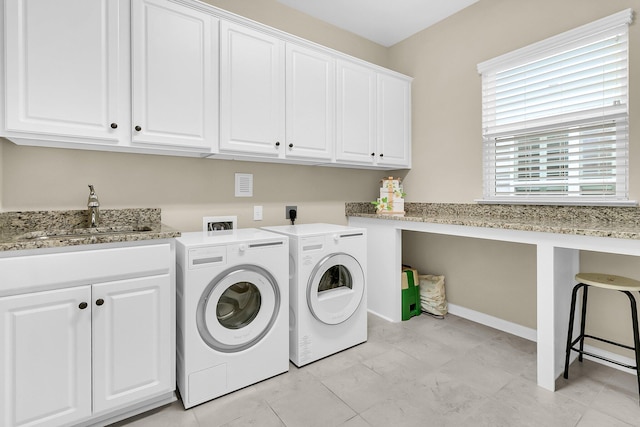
pixel 385 22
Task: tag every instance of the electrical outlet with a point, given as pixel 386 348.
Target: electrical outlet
pixel 287 209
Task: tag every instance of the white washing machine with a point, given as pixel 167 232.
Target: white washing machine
pixel 327 287
pixel 232 318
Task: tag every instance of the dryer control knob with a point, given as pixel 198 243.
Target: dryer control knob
pixel 242 247
pixel 336 237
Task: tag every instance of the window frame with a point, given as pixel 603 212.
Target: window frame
pixel 517 131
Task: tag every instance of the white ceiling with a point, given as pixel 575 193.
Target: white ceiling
pixel 385 22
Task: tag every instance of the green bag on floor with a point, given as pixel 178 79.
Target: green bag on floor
pixel 432 295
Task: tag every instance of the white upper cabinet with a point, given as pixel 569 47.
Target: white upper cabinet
pixel 251 91
pixel 174 75
pixel 393 121
pixel 185 78
pixel 63 65
pixel 310 104
pixel 264 113
pixel 356 113
pixel 374 117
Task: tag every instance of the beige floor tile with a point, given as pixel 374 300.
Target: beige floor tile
pixel 260 416
pixel 172 415
pixel 597 419
pixel 398 367
pixel 499 353
pixel 422 372
pixel 583 389
pixel 496 413
pixel 478 373
pixel 543 406
pixel 360 387
pixel 482 331
pixel 315 406
pixel 356 421
pixel 228 408
pixel 446 395
pixel 619 403
pixel 401 413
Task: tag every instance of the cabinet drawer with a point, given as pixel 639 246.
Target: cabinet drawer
pixel 55 270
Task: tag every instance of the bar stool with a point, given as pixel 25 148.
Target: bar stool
pixel 603 281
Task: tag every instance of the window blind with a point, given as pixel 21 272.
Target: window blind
pixel 555 117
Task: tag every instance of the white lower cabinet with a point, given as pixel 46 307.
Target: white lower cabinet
pixel 45 358
pixel 131 344
pixel 88 353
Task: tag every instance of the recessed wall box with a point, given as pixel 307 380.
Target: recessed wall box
pixel 219 223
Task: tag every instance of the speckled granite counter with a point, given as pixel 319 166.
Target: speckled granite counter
pixel 51 229
pixel 596 221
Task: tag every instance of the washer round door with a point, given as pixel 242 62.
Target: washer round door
pixel 238 308
pixel 335 288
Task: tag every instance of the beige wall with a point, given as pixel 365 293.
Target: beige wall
pixel 494 278
pixel 187 189
pixel 277 15
pixel 447 162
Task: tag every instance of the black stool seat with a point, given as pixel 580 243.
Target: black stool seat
pixel 604 281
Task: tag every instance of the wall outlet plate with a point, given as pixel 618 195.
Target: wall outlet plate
pixel 219 223
pixel 289 208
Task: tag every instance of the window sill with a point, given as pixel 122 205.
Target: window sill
pixel 552 202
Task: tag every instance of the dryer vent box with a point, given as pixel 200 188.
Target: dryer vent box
pixel 244 185
pixel 219 223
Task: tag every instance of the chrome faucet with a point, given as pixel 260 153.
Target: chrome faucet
pixel 94 208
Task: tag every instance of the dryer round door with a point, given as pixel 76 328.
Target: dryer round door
pixel 238 308
pixel 335 288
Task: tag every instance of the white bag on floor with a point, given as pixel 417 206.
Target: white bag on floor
pixel 432 295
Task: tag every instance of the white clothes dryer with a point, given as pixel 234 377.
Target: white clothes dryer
pixel 327 289
pixel 232 317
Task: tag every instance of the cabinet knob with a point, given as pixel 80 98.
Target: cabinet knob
pixel 83 305
pixel 99 301
pixel 381 155
pixel 277 143
pixel 114 126
pixel 290 145
pixel 373 154
pixel 138 128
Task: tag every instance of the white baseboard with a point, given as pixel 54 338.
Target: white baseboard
pixel 531 335
pixel 494 322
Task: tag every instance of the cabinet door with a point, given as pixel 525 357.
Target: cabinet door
pixel 66 68
pixel 174 75
pixel 356 105
pixel 45 358
pixel 394 121
pixel 251 91
pixel 310 104
pixel 133 340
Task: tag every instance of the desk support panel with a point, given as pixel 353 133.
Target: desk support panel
pixel 555 278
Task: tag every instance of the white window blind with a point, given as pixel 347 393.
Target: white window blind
pixel 555 116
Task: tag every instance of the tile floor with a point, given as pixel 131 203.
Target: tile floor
pixel 423 372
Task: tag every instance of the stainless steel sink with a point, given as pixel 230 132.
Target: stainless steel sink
pixel 81 233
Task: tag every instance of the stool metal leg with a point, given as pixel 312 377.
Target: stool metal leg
pixel 572 315
pixel 583 320
pixel 636 337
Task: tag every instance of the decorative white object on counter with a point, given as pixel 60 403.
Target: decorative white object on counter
pixel 391 200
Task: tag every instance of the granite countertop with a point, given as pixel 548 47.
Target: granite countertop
pixel 52 229
pixel 598 221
